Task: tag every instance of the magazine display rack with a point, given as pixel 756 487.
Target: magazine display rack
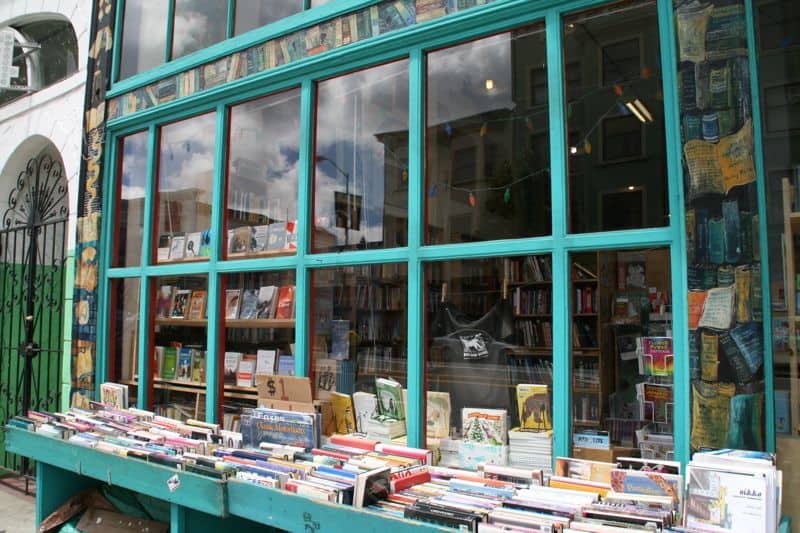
pixel 198 503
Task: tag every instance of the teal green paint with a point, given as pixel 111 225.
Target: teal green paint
pixel 170 32
pixel 680 288
pixel 486 249
pixel 755 97
pixel 175 269
pixel 231 17
pixel 217 213
pixel 144 284
pixel 560 259
pixel 66 354
pixel 116 51
pixel 358 257
pixel 107 221
pixel 305 191
pixel 60 486
pixel 682 383
pixel 178 519
pixel 257 264
pixel 124 272
pixel 415 272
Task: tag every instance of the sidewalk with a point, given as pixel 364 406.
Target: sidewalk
pixel 17 511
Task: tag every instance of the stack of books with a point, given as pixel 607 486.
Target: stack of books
pixel 531 449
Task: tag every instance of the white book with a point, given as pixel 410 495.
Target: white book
pixel 364 404
pixel 193 242
pixel 231 366
pixel 265 361
pixel 177 248
pixel 245 376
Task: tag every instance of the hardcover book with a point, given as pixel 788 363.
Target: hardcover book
pixel 232 298
pixel 390 398
pixel 249 306
pixel 239 240
pixel 486 426
pixel 267 301
pixel 169 369
pixel 285 309
pixel 180 304
pixel 365 405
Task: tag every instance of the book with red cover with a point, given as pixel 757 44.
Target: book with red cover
pixel 354 442
pixel 285 308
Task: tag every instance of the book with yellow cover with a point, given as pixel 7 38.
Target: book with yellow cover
pixel 533 405
pixel 343 413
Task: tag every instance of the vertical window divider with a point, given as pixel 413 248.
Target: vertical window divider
pixel 766 296
pixel 144 390
pixel 106 236
pixel 416 281
pixel 116 51
pixel 231 15
pixel 680 287
pixel 560 258
pixel 214 324
pixel 170 27
pixel 305 223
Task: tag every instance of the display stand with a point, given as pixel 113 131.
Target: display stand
pixel 197 503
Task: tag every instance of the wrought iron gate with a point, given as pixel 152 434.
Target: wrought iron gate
pixel 32 268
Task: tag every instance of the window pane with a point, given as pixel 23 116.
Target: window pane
pixel 258 315
pixel 132 176
pixel 252 14
pixel 488 147
pixel 361 173
pixel 144 36
pixel 359 336
pixel 197 25
pixel 123 344
pixel 185 174
pixel 615 119
pixel 489 355
pixel 178 307
pixel 262 177
pixel 58 56
pixel 622 357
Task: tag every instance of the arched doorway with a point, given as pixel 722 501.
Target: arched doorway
pixel 33 232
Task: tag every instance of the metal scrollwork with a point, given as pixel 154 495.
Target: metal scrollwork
pixel 39 195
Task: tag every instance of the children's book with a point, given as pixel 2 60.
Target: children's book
pixel 486 426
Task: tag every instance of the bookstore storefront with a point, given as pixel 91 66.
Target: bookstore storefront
pixel 504 231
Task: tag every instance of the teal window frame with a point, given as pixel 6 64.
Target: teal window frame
pixel 412 43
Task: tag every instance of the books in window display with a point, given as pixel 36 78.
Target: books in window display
pixel 249 305
pixel 530 449
pixel 655 402
pixel 164 301
pixel 280 427
pixel 655 356
pixel 267 301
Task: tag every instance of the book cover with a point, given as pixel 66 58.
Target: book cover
pixel 184 368
pixel 718 308
pixel 656 356
pixel 193 242
pixel 239 240
pixel 164 300
pixel 260 238
pixel 487 426
pixel 158 361
pixel 343 413
pixel 285 308
pixel 286 365
pixel 652 483
pixel 170 366
pixel 232 299
pixel 325 374
pixel 265 361
pixel 598 471
pixel 199 366
pixel 249 305
pixel 279 427
pixel 114 395
pixel 197 305
pixel 390 398
pixel 365 405
pixel 533 406
pixel 177 246
pixel 267 301
pixel 438 411
pixel 162 253
pixel 277 236
pixel 372 486
pixel 180 303
pixel 246 372
pixel 718 500
pixel 655 402
pixel 231 365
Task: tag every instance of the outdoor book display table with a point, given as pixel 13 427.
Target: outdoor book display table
pixel 197 503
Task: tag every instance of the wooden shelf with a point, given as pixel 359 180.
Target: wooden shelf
pixel 195 387
pixel 534 315
pixel 544 351
pixel 579 315
pixel 266 323
pixel 261 254
pixel 527 283
pixel 578 422
pixel 195 259
pixel 592 281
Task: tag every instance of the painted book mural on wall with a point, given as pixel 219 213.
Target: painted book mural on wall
pixel 726 349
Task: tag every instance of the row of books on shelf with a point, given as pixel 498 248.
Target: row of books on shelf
pixel 179 362
pixel 532 268
pixel 531 370
pixel 585 300
pixel 184 246
pixel 370 296
pixel 241 369
pixel 266 302
pixel 276 236
pixel 725 490
pixel 532 301
pixel 584 335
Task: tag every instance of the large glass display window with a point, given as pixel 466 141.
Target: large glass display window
pixel 144 36
pixel 123 343
pixel 361 156
pixel 129 212
pixel 487 139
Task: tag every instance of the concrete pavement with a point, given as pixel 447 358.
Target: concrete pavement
pixel 17 511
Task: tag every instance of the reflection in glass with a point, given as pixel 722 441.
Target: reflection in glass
pixel 489 356
pixel 359 334
pixel 488 145
pixel 615 119
pixel 130 214
pixel 198 24
pixel 262 177
pixel 144 36
pixel 123 343
pixel 252 14
pixel 258 315
pixel 185 174
pixel 622 351
pixel 361 172
pixel 179 315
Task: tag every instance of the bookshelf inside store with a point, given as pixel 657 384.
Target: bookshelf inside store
pixel 622 354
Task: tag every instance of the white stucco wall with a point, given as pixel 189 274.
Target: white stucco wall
pixel 54 113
